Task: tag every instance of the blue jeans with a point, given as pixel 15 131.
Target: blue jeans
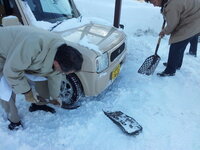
pixel 176 53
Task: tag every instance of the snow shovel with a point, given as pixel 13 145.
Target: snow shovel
pixel 128 124
pixel 150 64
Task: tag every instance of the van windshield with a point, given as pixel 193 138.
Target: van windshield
pixel 51 10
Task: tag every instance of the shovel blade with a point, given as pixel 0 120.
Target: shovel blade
pixel 149 65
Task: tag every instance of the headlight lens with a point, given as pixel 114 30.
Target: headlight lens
pixel 102 62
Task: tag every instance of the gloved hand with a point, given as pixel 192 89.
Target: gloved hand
pixel 35 107
pixel 30 97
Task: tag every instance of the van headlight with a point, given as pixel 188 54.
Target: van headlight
pixel 102 62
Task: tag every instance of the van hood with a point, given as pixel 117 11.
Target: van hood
pixel 99 38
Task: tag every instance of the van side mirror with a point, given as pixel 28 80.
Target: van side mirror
pixel 10 21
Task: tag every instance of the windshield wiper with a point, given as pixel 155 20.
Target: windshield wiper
pixel 67 16
pixel 56 25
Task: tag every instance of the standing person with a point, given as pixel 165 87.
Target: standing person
pixel 28 50
pixel 183 24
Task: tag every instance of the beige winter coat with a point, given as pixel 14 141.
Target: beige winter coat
pixel 29 50
pixel 183 19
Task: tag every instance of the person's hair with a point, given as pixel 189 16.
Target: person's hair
pixel 69 58
pixel 162 4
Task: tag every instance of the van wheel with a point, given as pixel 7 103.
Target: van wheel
pixel 71 89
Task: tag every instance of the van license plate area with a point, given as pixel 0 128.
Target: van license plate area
pixel 115 72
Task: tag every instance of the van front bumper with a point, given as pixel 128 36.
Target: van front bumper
pixel 95 83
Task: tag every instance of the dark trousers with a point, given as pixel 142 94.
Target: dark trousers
pixel 193 45
pixel 176 53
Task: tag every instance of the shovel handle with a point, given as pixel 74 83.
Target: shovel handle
pixel 158 43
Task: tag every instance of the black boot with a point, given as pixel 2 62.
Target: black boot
pixel 165 64
pixel 165 74
pixel 46 108
pixel 15 126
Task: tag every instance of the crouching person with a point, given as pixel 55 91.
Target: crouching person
pixel 32 51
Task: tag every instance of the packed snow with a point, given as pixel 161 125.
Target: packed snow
pixel 167 108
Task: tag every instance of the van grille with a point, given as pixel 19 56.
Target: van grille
pixel 117 52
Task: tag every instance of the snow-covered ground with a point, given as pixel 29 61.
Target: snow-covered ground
pixel 167 108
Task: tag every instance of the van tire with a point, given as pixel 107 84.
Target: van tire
pixel 71 89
